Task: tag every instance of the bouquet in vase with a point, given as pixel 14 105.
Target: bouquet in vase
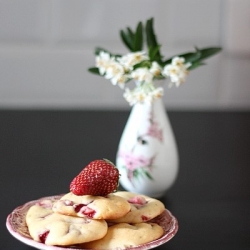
pixel 144 63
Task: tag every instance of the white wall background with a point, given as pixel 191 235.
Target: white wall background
pixel 46 47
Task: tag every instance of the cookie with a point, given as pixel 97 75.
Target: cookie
pixel 56 229
pixel 143 208
pixel 94 207
pixel 124 235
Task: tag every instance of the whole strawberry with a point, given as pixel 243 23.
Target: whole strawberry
pixel 99 178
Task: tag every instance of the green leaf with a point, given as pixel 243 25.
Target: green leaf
pixel 130 33
pixel 196 65
pixel 126 40
pixel 208 52
pixel 133 40
pixel 138 38
pixel 203 54
pixel 152 40
pixel 94 70
pixel 153 53
pixel 191 57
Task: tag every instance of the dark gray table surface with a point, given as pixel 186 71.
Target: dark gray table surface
pixel 41 151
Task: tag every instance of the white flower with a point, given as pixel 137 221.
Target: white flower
pixel 103 60
pixel 142 75
pixel 170 70
pixel 113 70
pixel 176 71
pixel 129 97
pixel 134 96
pixel 158 93
pixel 146 93
pixel 178 61
pixel 129 60
pixel 119 80
pixel 155 69
pixel 153 94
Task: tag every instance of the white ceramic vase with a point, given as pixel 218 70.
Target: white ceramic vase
pixel 147 156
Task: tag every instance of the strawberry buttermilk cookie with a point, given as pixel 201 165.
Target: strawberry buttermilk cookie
pixel 143 208
pixel 94 207
pixel 55 229
pixel 124 235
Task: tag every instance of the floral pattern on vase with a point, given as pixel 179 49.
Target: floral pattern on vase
pixel 140 166
pixel 147 150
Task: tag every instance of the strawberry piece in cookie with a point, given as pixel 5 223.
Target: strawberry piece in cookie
pixel 45 203
pixel 137 201
pixel 84 209
pixel 145 218
pixel 43 236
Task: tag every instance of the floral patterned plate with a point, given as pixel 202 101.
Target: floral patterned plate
pixel 17 227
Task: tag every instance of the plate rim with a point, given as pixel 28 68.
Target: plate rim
pixel 30 242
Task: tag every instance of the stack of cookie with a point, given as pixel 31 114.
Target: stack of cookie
pixel 94 216
pixel 118 220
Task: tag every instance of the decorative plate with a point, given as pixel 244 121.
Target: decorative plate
pixel 17 227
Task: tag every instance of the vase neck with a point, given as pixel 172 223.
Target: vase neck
pixel 154 104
